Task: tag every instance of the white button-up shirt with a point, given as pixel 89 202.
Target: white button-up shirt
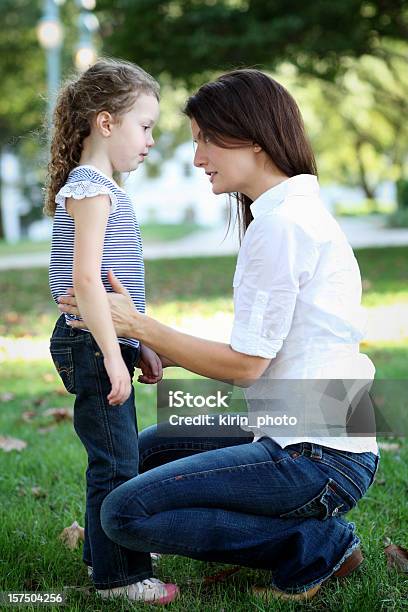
pixel 297 297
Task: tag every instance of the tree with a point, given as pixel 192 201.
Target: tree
pixel 188 38
pixel 23 95
pixel 358 122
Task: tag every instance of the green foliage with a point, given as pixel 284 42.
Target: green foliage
pixel 399 218
pixel 402 193
pixel 188 37
pixel 357 122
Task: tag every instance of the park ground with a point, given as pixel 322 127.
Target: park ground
pixel 42 486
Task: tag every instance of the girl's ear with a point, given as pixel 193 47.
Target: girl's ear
pixel 257 148
pixel 104 122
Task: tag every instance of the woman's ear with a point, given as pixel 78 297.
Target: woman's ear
pixel 104 122
pixel 257 148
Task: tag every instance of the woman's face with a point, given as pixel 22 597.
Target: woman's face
pixel 228 170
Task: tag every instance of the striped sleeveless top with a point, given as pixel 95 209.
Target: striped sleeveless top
pixel 122 249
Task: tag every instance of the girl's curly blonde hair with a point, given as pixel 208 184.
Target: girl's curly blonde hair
pixel 109 85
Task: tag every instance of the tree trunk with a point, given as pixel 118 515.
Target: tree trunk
pixel 368 190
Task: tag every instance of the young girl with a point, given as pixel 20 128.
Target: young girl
pixel 103 124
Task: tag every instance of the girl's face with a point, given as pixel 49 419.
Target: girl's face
pixel 228 170
pixel 131 138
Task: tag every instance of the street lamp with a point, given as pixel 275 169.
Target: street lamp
pixel 50 35
pixel 87 24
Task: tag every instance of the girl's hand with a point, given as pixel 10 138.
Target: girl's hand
pixel 120 380
pixel 151 366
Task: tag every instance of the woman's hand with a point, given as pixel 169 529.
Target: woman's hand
pixel 122 308
pixel 151 366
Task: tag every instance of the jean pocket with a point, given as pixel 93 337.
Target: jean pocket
pixel 332 501
pixel 130 356
pixel 62 358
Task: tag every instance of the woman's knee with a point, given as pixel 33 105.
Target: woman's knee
pixel 111 516
pixel 118 515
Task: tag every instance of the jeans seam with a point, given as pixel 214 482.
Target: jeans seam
pixel 113 464
pixel 123 582
pixel 231 468
pixel 353 460
pixel 158 449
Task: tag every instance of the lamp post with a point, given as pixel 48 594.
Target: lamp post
pixel 50 35
pixel 88 23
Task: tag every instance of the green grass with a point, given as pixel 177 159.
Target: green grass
pixel 31 555
pixel 166 232
pixel 24 247
pixel 177 287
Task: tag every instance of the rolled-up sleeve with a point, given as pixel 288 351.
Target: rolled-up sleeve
pixel 275 260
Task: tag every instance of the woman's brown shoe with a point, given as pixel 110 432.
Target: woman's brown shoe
pixel 346 568
pixel 350 564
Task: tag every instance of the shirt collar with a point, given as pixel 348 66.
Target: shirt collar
pixel 301 184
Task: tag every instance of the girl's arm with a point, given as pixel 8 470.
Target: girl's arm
pixel 91 217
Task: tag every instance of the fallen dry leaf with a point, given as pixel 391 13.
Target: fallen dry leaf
pixel 28 416
pixel 6 397
pixel 59 414
pixel 380 482
pixel 71 536
pixel 221 576
pixel 45 430
pixel 9 444
pixel 389 446
pixel 39 401
pixel 11 317
pixel 48 377
pixel 397 557
pixel 38 492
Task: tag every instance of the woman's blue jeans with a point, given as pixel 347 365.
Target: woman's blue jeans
pixel 110 437
pixel 252 504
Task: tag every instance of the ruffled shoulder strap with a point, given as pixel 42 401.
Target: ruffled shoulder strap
pixel 85 189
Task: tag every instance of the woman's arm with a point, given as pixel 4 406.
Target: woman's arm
pixel 91 217
pixel 207 358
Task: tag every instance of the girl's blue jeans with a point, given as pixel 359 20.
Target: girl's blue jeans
pixel 110 437
pixel 254 504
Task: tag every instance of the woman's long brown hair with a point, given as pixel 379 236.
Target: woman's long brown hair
pixel 109 85
pixel 245 107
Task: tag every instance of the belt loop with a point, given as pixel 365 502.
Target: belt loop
pixel 316 451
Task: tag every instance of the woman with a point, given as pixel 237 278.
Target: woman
pixel 273 501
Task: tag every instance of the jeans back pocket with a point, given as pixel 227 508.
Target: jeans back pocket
pixel 331 501
pixel 62 358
